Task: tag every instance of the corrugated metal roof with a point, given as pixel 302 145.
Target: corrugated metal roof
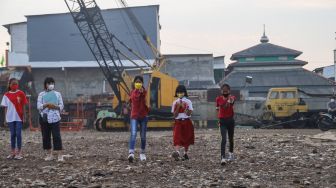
pixel 263 80
pixel 265 50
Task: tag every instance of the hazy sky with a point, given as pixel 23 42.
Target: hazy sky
pixel 221 27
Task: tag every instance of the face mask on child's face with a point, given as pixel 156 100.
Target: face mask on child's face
pixel 180 95
pixel 51 87
pixel 138 85
pixel 14 87
pixel 226 94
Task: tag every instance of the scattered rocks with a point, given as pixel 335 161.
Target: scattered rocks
pixel 38 183
pixel 255 185
pixel 99 159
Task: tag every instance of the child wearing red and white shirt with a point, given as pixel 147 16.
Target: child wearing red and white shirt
pixel 14 101
pixel 224 107
pixel 183 127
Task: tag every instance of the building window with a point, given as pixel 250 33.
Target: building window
pixel 250 59
pixel 283 58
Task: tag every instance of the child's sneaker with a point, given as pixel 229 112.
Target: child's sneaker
pixel 18 157
pixel 60 158
pixel 231 157
pixel 131 157
pixel 49 157
pixel 223 161
pixel 176 155
pixel 142 157
pixel 185 157
pixel 11 156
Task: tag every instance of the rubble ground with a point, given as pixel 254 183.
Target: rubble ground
pixel 264 158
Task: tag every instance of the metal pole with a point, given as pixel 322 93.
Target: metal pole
pixel 335 70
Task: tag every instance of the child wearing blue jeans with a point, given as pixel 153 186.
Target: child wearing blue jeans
pixel 14 101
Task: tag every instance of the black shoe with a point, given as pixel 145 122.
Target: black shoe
pixel 185 157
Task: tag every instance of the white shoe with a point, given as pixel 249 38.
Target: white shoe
pixel 223 161
pixel 18 157
pixel 11 156
pixel 142 157
pixel 49 157
pixel 176 155
pixel 131 157
pixel 60 158
pixel 231 157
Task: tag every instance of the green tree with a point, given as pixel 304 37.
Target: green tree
pixel 2 61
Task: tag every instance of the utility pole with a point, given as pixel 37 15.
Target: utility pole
pixel 335 62
pixel 335 69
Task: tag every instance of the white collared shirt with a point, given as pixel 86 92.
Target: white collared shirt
pixel 53 115
pixel 189 107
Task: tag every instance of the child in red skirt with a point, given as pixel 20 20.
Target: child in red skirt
pixel 183 127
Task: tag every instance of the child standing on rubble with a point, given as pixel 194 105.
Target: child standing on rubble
pixel 183 128
pixel 139 112
pixel 14 101
pixel 50 105
pixel 225 111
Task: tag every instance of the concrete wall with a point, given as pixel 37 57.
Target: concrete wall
pixel 219 62
pixel 190 67
pixel 55 37
pixel 72 82
pixel 203 109
pixel 18 37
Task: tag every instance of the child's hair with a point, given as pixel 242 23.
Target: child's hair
pixel 226 85
pixel 138 77
pixel 9 83
pixel 48 80
pixel 181 89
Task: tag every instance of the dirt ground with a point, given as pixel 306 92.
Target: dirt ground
pixel 264 158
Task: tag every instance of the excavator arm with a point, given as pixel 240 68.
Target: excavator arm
pixel 88 18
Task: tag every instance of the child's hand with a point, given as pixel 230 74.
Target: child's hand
pixel 52 106
pixel 231 100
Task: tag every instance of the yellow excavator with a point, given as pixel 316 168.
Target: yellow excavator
pixel 103 45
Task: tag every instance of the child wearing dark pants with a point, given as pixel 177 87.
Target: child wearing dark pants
pixel 48 130
pixel 224 107
pixel 50 104
pixel 227 128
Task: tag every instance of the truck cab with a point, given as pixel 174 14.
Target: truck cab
pixel 284 103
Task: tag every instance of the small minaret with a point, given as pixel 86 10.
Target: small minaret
pixel 264 38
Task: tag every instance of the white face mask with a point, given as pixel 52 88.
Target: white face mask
pixel 51 87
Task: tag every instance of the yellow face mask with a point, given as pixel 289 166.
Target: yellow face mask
pixel 180 95
pixel 138 85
